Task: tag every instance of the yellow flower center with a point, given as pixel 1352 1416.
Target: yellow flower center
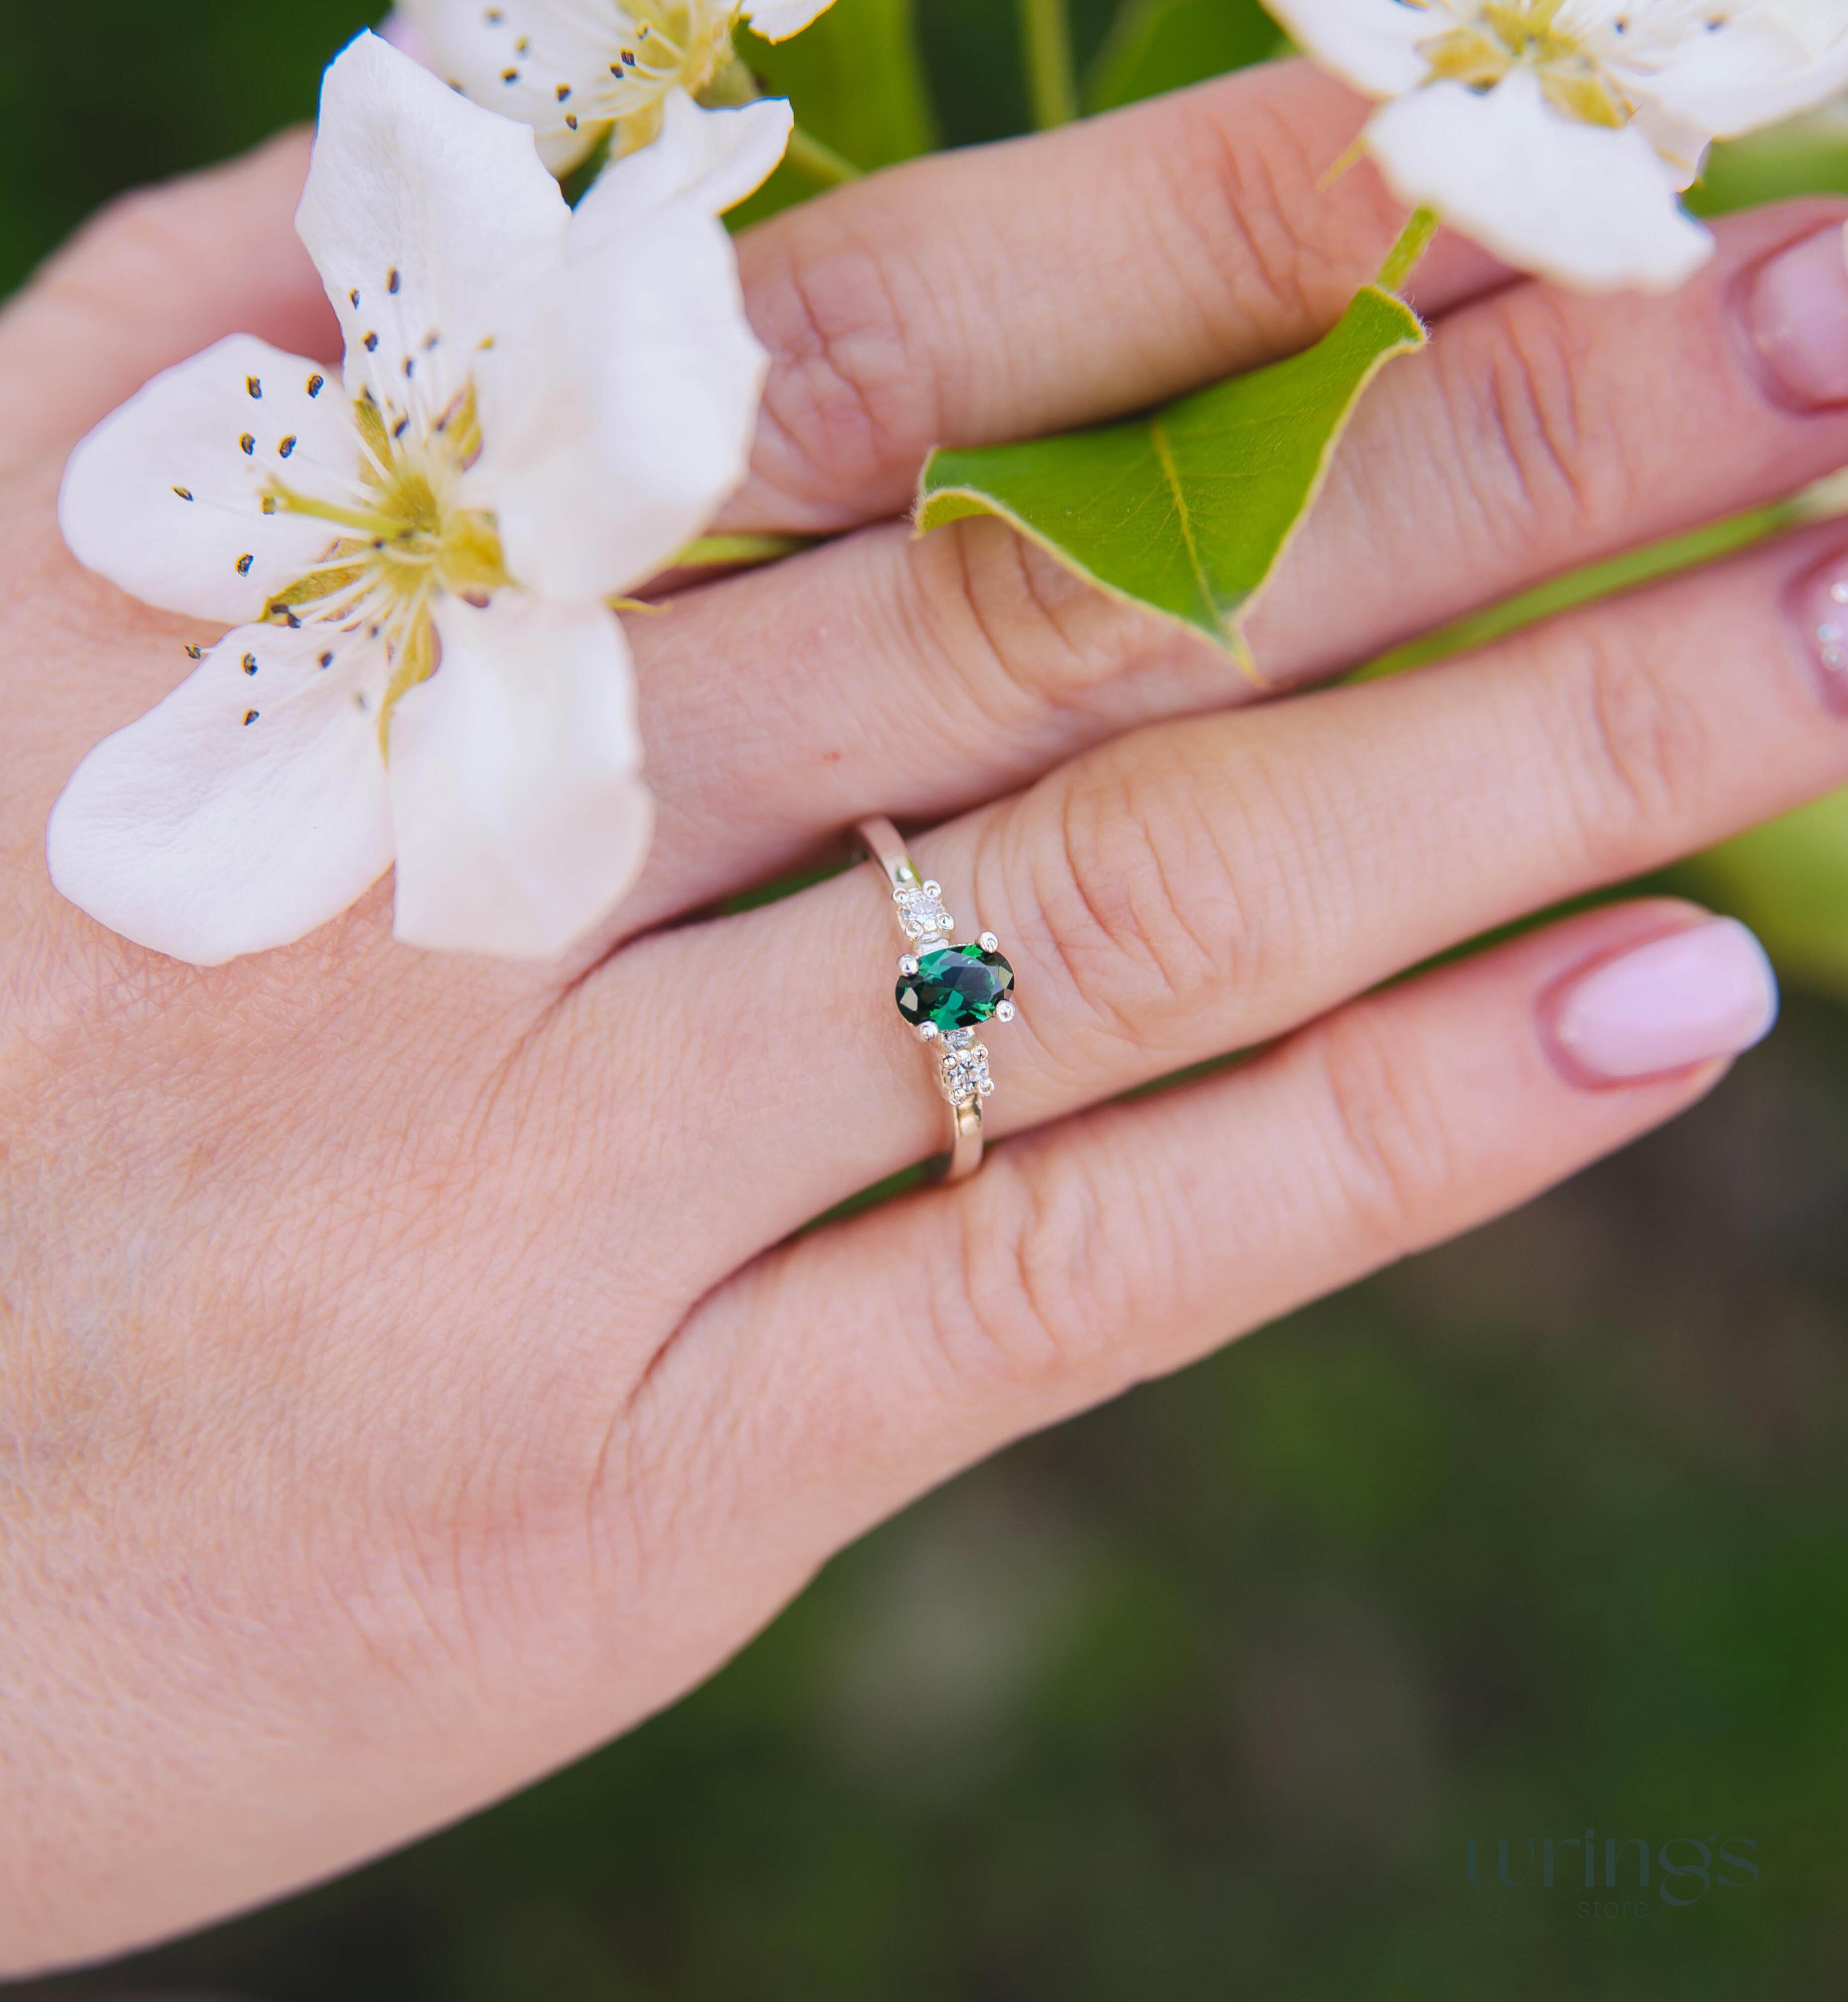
pixel 405 541
pixel 1505 35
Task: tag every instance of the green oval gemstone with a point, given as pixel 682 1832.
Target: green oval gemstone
pixel 955 987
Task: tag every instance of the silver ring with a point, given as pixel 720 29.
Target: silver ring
pixel 945 990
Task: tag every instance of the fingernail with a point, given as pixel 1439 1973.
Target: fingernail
pixel 1796 313
pixel 1819 604
pixel 1697 995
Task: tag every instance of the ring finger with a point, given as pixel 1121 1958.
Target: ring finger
pixel 1205 886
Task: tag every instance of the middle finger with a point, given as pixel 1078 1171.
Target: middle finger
pixel 1204 886
pixel 1542 431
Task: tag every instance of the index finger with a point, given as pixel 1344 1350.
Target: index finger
pixel 1007 292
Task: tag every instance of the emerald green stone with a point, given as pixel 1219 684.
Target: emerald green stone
pixel 955 987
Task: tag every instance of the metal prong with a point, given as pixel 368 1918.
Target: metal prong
pixel 986 1087
pixel 927 1032
pixel 1004 1011
pixel 907 965
pixel 933 889
pixel 989 942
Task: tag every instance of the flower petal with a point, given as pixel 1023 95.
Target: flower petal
pixel 1753 70
pixel 1370 44
pixel 533 59
pixel 1589 205
pixel 777 20
pixel 238 813
pixel 427 217
pixel 520 812
pixel 619 415
pixel 712 158
pixel 165 497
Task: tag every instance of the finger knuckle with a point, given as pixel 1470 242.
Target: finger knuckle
pixel 1240 217
pixel 1026 1300
pixel 1142 894
pixel 1638 743
pixel 850 389
pixel 1018 634
pixel 1538 443
pixel 1393 1158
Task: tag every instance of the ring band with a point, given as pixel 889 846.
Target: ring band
pixel 944 990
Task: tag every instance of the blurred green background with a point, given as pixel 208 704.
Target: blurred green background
pixel 1205 1694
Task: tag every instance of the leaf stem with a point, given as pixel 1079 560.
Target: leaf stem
pixel 710 552
pixel 1401 259
pixel 808 155
pixel 1051 76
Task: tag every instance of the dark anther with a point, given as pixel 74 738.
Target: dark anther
pixel 184 493
pixel 327 660
pixel 247 445
pixel 250 716
pixel 400 428
pixel 287 446
pixel 564 91
pixel 255 387
pixel 244 563
pixel 371 342
pixel 195 653
pixel 249 663
pixel 317 384
pixel 392 281
pixel 354 295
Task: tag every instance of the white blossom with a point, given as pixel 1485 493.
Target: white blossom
pixel 538 409
pixel 577 70
pixel 1559 132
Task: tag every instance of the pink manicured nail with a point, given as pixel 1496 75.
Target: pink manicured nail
pixel 1705 993
pixel 1796 313
pixel 1819 604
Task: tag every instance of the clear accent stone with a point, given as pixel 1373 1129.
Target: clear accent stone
pixel 921 912
pixel 962 1074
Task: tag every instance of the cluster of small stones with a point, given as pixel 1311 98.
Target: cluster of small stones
pixel 920 913
pixel 962 1069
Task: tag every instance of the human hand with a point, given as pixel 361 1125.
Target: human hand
pixel 409 1377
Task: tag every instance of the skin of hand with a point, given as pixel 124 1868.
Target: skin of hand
pixel 409 1373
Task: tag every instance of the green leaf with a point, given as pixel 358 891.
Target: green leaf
pixel 856 81
pixel 1788 881
pixel 1159 45
pixel 1186 510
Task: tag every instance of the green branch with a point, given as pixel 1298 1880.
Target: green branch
pixel 1051 77
pixel 808 155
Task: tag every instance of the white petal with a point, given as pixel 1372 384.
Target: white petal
pixel 777 20
pixel 1588 205
pixel 514 57
pixel 426 216
pixel 1754 71
pixel 520 813
pixel 619 417
pixel 201 836
pixel 165 496
pixel 712 159
pixel 1370 44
